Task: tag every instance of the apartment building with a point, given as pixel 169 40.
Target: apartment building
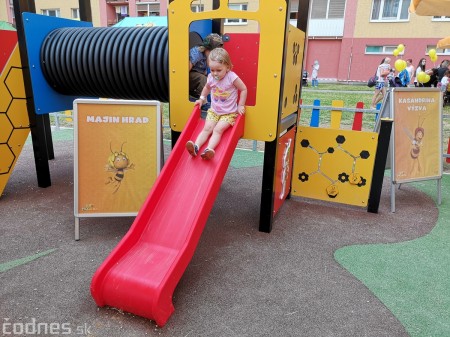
pixel 348 37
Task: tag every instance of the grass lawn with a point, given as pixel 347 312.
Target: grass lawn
pixel 350 94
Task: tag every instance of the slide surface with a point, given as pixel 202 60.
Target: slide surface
pixel 141 273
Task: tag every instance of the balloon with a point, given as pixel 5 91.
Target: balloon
pixel 433 58
pixel 400 47
pixel 399 65
pixel 432 52
pixel 421 76
pixel 395 52
pixel 427 78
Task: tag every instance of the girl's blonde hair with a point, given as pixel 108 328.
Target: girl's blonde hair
pixel 220 55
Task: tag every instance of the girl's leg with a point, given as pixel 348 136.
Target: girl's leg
pixel 217 134
pixel 204 134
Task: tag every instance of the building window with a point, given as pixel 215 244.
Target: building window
pixel 439 51
pixel 148 9
pixel 75 13
pixel 441 18
pixel 327 9
pixel 390 10
pixel 197 8
pixel 51 12
pixel 236 7
pixel 382 50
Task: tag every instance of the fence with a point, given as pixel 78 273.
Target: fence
pixel 337 108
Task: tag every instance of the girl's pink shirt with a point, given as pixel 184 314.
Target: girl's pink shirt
pixel 224 94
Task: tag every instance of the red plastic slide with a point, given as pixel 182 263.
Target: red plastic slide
pixel 141 273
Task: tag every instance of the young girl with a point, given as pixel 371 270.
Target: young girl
pixel 224 86
pixel 420 67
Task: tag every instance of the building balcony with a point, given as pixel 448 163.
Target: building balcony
pixel 326 28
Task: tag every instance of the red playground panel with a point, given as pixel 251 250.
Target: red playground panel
pixel 9 42
pixel 244 55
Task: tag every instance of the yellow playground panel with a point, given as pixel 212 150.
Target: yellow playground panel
pixel 293 71
pixel 261 119
pixel 334 165
pixel 14 122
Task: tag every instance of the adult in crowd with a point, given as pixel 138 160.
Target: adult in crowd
pixel 198 56
pixel 383 71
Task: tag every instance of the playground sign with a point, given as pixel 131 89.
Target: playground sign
pixel 417 137
pixel 117 151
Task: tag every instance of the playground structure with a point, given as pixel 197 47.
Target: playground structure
pixel 141 274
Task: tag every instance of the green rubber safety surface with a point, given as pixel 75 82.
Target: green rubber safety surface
pixel 411 278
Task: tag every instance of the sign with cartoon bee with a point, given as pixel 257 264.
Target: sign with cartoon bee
pixel 117 155
pixel 417 134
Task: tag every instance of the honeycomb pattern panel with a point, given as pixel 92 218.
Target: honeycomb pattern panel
pixel 14 121
pixel 334 165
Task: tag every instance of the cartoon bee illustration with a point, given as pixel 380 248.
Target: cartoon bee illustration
pixel 416 144
pixel 118 162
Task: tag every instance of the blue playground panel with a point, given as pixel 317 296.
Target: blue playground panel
pixel 37 27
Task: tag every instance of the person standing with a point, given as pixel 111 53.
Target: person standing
pixel 420 67
pixel 383 71
pixel 443 67
pixel 198 63
pixel 315 74
pixel 410 68
pixel 444 82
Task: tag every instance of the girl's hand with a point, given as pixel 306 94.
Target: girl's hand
pixel 200 101
pixel 241 109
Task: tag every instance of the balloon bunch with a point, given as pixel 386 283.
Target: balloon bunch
pixel 399 63
pixel 423 77
pixel 433 56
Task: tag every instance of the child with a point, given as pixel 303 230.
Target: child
pixel 224 85
pixel 404 77
pixel 444 82
pixel 315 74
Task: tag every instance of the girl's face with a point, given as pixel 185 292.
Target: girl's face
pixel 218 70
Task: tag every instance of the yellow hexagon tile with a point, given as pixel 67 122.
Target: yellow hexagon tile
pixel 14 82
pixel 5 129
pixel 16 115
pixel 6 159
pixel 14 121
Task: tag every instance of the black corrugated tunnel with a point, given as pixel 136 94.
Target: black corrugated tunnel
pixel 115 62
